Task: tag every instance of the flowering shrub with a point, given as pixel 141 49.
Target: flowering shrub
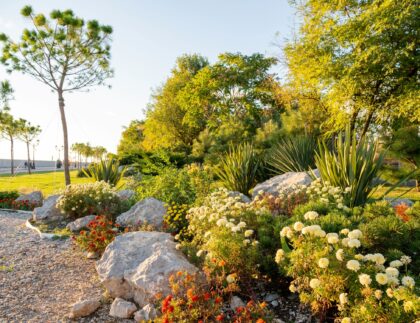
pixel 91 198
pixel 100 234
pixel 227 229
pixel 176 219
pixel 7 201
pixel 326 193
pixel 327 269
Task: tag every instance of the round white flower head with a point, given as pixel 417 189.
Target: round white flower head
pixel 279 256
pixel 200 253
pixel 178 246
pixel 284 231
pixel 311 215
pixel 346 320
pixel 355 234
pixel 314 283
pixel 332 238
pixel 320 233
pixel 221 222
pixel 345 231
pixel 405 260
pixel 353 243
pixel 353 265
pixel 292 288
pixel 323 262
pixel 381 278
pixel 345 242
pixel 392 272
pixel 248 233
pixel 242 224
pixel 396 264
pixel 298 226
pixel 236 229
pixel 408 281
pixel 365 279
pixel 390 292
pixel 359 256
pixel 379 258
pixel 378 294
pixel 340 254
pixel 343 298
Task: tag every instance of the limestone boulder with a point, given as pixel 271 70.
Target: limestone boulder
pixel 146 314
pixel 149 210
pixel 137 265
pixel 35 197
pixel 286 181
pixel 48 211
pixel 399 201
pixel 80 223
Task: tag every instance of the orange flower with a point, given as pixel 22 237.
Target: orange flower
pixel 218 300
pixel 250 304
pixel 179 273
pixel 194 298
pixel 260 321
pixel 263 305
pixel 222 263
pixel 190 293
pixel 220 317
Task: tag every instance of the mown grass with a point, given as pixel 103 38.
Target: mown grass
pixel 408 192
pixel 47 182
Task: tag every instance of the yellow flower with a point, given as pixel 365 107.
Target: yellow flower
pixel 381 278
pixel 365 279
pixel 353 265
pixel 314 283
pixel 323 262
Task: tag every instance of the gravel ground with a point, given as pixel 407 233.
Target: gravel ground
pixel 39 279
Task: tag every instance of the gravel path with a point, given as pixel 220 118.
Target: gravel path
pixel 39 279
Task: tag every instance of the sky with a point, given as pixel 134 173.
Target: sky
pixel 148 37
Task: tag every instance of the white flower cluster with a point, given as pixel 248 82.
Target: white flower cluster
pixel 326 193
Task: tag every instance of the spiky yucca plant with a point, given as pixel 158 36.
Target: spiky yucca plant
pixel 293 154
pixel 238 168
pixel 353 163
pixel 106 170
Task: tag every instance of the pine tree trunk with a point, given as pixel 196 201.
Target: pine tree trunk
pixel 65 136
pixel 29 157
pixel 12 166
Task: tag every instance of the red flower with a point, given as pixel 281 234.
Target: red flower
pixel 220 317
pixel 194 298
pixel 218 300
pixel 206 296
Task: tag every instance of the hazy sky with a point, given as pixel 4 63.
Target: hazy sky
pixel 148 37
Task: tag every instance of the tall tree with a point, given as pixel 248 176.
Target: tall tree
pixel 10 129
pixel 6 94
pixel 28 134
pixel 131 140
pixel 65 53
pixel 359 60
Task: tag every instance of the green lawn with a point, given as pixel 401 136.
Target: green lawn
pixel 411 193
pixel 48 182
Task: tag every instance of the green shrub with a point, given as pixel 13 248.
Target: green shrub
pixel 108 171
pixel 239 168
pixel 9 195
pixel 92 198
pixel 352 165
pixel 180 186
pixel 293 154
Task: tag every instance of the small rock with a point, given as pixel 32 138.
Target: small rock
pixel 236 302
pixel 399 201
pixel 274 303
pixel 80 223
pixel 147 313
pixel 84 308
pixel 92 255
pixel 271 297
pixel 122 309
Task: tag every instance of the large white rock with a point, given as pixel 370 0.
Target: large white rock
pixel 137 265
pixel 122 309
pixel 149 210
pixel 34 197
pixel 284 181
pixel 48 211
pixel 80 223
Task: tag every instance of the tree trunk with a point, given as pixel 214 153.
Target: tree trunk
pixel 367 123
pixel 29 157
pixel 65 136
pixel 12 166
